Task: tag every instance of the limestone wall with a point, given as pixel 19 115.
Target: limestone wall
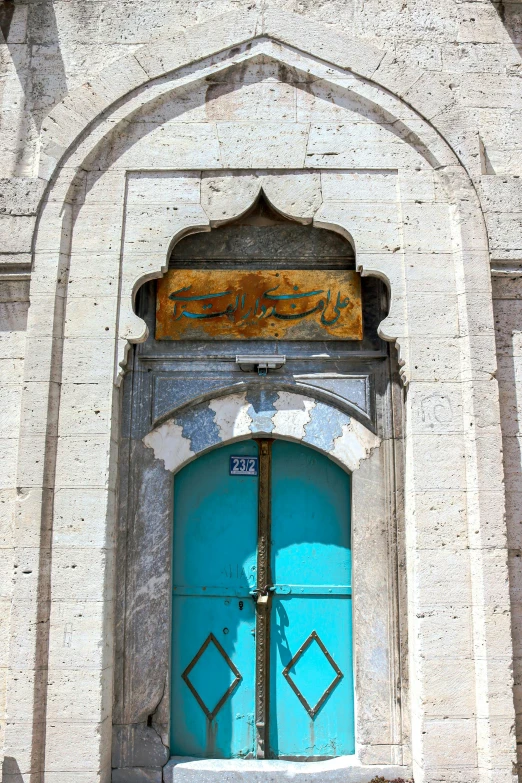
pixel 396 123
pixel 14 301
pixel 507 297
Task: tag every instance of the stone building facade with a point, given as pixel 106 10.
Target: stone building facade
pixel 131 131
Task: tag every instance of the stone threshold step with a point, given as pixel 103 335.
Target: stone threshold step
pixel 340 770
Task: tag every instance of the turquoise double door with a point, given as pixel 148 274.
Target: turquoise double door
pixel 261 610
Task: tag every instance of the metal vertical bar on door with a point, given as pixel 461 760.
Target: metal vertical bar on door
pixel 264 598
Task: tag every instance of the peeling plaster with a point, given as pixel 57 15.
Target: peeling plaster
pixel 293 414
pixel 355 444
pixel 232 416
pixel 169 445
pixel 332 432
pixel 262 409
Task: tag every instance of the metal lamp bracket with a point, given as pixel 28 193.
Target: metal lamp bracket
pixel 261 363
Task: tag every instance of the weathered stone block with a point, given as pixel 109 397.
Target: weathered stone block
pixel 427 228
pixel 382 236
pixel 16 232
pixel 137 775
pixel 505 234
pixel 85 573
pixel 172 145
pixel 363 186
pixel 501 194
pixel 80 635
pixel 108 232
pixel 91 317
pixel 249 145
pixel 161 187
pixel 81 518
pixel 83 462
pixel 137 745
pixel 75 749
pixel 430 580
pixel 439 462
pixel 88 360
pixel 321 42
pixel 457 736
pixel 445 630
pixel 448 690
pixel 74 693
pixel 358 146
pixel 20 195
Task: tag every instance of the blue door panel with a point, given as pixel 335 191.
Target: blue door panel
pixel 311 571
pixel 214 566
pixel 215 522
pixel 294 733
pixel 310 517
pixel 231 732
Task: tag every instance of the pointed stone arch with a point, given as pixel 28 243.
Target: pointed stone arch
pixel 431 97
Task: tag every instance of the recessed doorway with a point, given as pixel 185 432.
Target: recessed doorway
pixel 261 663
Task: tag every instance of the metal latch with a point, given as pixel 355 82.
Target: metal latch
pixel 260 362
pixel 263 592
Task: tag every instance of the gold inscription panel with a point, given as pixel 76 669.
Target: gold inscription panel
pixel 261 304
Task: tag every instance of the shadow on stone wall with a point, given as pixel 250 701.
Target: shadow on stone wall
pixel 34 78
pixel 11 771
pixel 510 14
pixel 48 82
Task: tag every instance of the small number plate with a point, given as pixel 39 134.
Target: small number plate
pixel 244 466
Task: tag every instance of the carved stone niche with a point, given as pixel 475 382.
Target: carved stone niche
pixel 340 397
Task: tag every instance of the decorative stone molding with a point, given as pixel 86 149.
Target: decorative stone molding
pixel 296 195
pixel 279 414
pixel 224 196
pixel 220 205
